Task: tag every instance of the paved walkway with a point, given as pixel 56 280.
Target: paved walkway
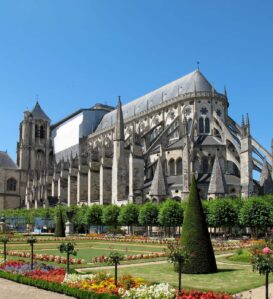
pixel 258 293
pixel 14 290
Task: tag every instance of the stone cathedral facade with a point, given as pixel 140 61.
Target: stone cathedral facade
pixel 146 150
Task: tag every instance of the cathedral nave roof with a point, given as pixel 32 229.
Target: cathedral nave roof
pixel 192 82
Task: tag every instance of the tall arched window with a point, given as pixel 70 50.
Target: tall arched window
pixel 42 132
pixel 207 125
pixel 11 184
pixel 201 125
pixel 171 167
pixel 37 131
pixel 179 166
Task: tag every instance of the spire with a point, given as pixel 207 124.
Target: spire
pixel 225 91
pixel 38 112
pixel 247 125
pixel 158 187
pixel 217 180
pixel 119 126
pixel 266 181
pixel 243 121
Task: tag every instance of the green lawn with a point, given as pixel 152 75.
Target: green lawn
pixel 243 257
pixel 89 249
pixel 231 278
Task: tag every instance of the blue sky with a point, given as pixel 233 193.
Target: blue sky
pixel 73 54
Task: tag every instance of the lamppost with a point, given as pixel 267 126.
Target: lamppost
pixel 31 241
pixel 5 240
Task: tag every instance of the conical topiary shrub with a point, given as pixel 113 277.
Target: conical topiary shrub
pixel 59 225
pixel 195 236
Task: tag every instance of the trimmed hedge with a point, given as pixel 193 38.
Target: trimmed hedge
pixel 195 236
pixel 55 287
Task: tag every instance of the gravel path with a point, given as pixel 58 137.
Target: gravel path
pixel 14 290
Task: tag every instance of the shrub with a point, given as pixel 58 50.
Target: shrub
pixel 60 226
pixel 195 236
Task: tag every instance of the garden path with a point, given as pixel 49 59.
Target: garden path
pixel 120 266
pixel 135 265
pixel 14 290
pixel 258 293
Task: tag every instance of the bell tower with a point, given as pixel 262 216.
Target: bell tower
pixel 33 148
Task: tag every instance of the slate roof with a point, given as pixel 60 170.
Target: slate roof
pixel 194 81
pixel 207 140
pixel 38 113
pixel 6 161
pixel 217 180
pixel 158 187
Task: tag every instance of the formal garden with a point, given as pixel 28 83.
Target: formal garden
pixel 140 251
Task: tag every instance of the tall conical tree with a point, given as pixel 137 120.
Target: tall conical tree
pixel 59 225
pixel 195 236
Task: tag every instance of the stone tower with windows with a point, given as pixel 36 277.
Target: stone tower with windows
pixel 34 148
pixel 34 154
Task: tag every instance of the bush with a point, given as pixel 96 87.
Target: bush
pixel 195 236
pixel 60 226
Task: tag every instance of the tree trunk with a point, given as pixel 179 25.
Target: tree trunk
pixel 31 265
pixel 116 274
pixel 266 285
pixel 67 263
pixel 179 278
pixel 5 251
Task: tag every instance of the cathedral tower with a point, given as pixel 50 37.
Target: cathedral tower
pixel 33 149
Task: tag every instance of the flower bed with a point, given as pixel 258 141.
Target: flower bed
pixel 45 257
pixel 104 283
pixel 94 285
pixel 104 259
pixel 231 245
pixel 39 271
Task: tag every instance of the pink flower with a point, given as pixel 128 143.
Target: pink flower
pixel 266 250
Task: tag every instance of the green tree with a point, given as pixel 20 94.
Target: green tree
pixel 129 216
pixel 110 215
pixel 94 216
pixel 79 219
pixel 115 258
pixel 69 249
pixel 177 256
pixel 148 215
pixel 263 263
pixel 195 236
pixel 256 214
pixel 59 224
pixel 170 214
pixel 222 213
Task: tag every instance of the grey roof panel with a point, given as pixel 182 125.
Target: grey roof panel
pixel 6 161
pixel 189 83
pixel 38 113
